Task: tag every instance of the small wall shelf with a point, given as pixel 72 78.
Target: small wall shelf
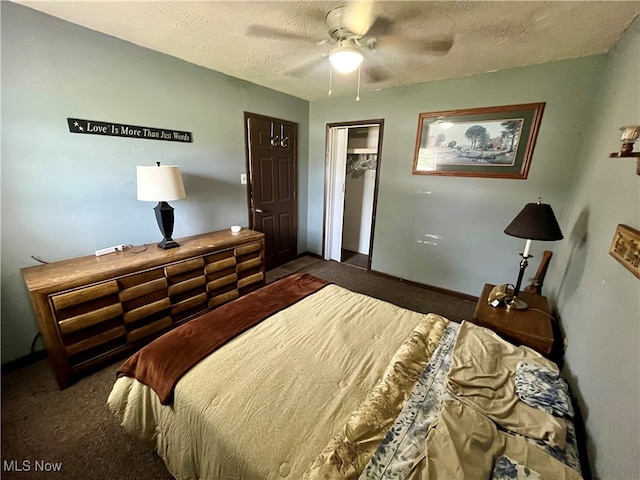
pixel 628 155
pixel 630 134
pixel 624 155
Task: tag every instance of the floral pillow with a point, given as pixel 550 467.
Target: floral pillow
pixel 542 388
pixel 506 468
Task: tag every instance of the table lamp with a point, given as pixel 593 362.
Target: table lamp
pixel 536 221
pixel 161 184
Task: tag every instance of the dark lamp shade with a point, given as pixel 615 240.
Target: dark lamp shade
pixel 536 221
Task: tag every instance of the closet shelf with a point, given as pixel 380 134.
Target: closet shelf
pixel 362 151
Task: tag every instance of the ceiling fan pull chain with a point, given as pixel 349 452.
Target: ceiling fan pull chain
pixel 330 78
pixel 358 95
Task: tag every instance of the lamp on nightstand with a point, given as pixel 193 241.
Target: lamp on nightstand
pixel 161 184
pixel 536 221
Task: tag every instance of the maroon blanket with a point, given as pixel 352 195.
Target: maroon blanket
pixel 163 362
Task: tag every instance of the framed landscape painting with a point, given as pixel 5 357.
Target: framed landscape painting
pixel 480 142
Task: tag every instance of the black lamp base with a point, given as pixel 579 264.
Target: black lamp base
pixel 513 302
pixel 168 243
pixel 164 216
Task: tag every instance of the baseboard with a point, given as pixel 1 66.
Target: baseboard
pixel 13 365
pixel 309 254
pixel 433 288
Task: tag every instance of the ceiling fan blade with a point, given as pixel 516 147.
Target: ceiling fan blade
pixel 381 26
pixel 309 68
pixel 415 46
pixel 372 67
pixel 438 47
pixel 375 73
pixel 359 16
pixel 264 31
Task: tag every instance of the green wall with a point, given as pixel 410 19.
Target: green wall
pixel 598 299
pixel 66 195
pixel 469 214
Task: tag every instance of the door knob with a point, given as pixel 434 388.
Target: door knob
pixel 258 210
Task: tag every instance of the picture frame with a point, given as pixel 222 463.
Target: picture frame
pixel 625 248
pixel 496 142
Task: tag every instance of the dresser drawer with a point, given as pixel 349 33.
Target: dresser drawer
pixel 92 309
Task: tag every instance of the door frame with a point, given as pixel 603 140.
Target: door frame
pixel 335 177
pixel 330 165
pixel 250 204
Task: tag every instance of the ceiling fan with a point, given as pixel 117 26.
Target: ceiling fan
pixel 357 32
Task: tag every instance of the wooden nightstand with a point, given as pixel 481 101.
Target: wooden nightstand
pixel 530 327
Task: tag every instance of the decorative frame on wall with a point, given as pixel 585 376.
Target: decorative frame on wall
pixel 625 248
pixel 493 142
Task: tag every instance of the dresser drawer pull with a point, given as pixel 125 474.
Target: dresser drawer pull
pixel 75 297
pixel 189 303
pixel 256 277
pixel 99 339
pixel 224 298
pixel 249 264
pixel 252 247
pixel 88 319
pixel 178 268
pixel 187 285
pixel 146 310
pixel 221 282
pixel 154 327
pixel 220 265
pixel 143 289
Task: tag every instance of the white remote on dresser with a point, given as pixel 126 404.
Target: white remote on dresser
pixel 104 251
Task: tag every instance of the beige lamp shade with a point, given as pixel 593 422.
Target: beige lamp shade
pixel 160 183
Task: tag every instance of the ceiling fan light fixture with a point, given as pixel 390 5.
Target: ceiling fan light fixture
pixel 345 59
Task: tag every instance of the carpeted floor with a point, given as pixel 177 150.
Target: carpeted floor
pixel 43 426
pixel 354 259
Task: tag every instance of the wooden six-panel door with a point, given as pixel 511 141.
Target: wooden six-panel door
pixel 272 164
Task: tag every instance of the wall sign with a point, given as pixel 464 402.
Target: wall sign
pixel 77 125
pixel 625 248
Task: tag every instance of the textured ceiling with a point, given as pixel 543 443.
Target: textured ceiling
pixel 236 37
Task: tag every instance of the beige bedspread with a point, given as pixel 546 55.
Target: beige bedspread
pixel 353 445
pixel 464 444
pixel 464 441
pixel 482 375
pixel 237 416
pixel 162 363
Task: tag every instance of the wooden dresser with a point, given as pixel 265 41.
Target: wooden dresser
pixel 91 309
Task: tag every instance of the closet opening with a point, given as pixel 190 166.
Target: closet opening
pixel 351 186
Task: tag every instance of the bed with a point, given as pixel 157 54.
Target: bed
pixel 311 380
